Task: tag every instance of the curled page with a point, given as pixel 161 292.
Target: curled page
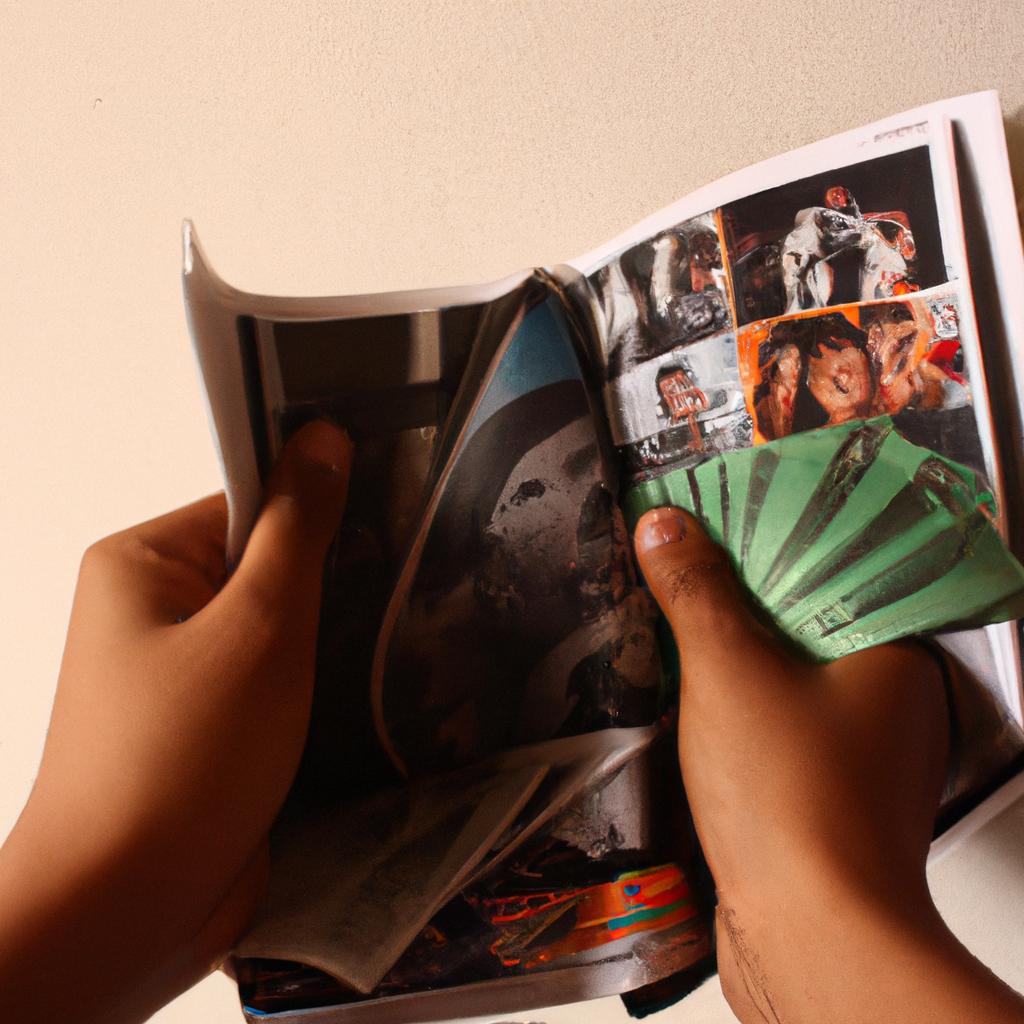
pixel 516 617
pixel 354 882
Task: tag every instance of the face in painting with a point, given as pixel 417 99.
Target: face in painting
pixel 775 410
pixel 788 371
pixel 891 348
pixel 838 376
pixel 787 378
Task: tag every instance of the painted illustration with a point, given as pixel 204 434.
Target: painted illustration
pixel 539 930
pixel 901 358
pixel 679 408
pixel 590 889
pixel 664 292
pixel 638 920
pixel 854 234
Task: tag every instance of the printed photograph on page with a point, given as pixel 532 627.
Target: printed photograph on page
pixel 858 233
pixel 664 292
pixel 902 358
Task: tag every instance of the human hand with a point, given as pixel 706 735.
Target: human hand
pixel 813 790
pixel 180 717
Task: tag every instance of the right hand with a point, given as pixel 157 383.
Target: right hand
pixel 814 790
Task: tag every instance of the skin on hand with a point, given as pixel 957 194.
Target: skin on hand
pixel 181 714
pixel 813 790
pixel 182 710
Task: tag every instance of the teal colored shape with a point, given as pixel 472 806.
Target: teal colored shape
pixel 540 353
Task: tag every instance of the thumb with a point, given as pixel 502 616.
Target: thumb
pixel 282 564
pixel 691 579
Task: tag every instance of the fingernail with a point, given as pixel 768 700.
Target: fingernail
pixel 323 445
pixel 660 527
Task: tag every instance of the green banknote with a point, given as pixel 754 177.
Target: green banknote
pixel 851 536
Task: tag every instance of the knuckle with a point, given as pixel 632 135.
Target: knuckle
pixel 101 555
pixel 116 551
pixel 688 582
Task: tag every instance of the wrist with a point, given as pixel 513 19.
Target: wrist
pixel 848 953
pixel 73 907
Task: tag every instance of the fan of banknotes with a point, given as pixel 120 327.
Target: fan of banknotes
pixel 851 536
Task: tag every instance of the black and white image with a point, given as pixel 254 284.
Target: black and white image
pixel 663 292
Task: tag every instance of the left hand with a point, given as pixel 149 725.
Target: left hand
pixel 180 717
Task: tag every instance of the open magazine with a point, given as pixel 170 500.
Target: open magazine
pixel 816 356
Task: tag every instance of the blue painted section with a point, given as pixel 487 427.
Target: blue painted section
pixel 540 353
pixel 636 916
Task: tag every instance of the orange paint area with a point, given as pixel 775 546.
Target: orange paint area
pixel 684 401
pixel 539 929
pixel 908 347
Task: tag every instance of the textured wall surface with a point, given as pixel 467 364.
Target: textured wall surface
pixel 331 147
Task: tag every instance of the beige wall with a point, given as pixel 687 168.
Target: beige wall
pixel 338 147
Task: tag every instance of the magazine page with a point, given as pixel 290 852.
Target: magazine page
pixel 826 286
pixel 975 195
pixel 483 505
pixel 331 933
pixel 424 338
pixel 875 231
